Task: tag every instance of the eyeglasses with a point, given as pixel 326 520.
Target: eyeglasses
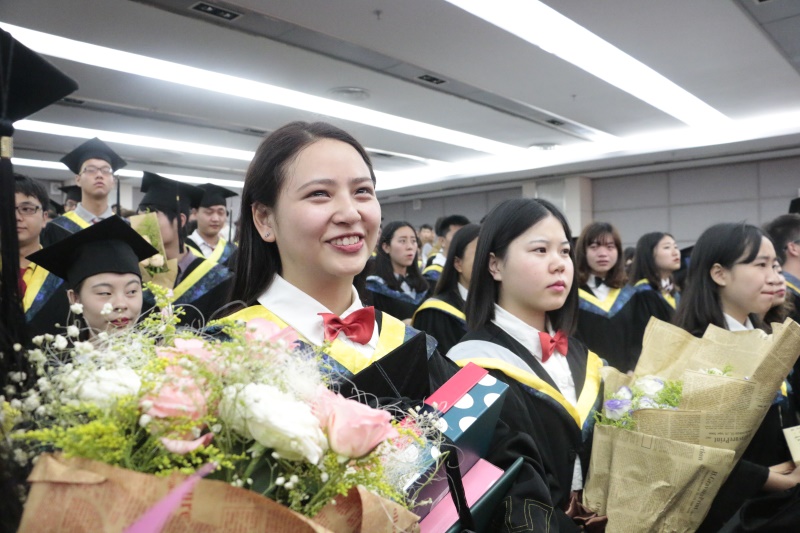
pixel 90 170
pixel 28 210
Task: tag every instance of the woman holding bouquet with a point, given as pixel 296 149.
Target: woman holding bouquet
pixel 731 283
pixel 521 308
pixel 309 224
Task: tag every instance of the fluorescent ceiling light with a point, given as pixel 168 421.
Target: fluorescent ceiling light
pixel 133 140
pixel 149 67
pixel 551 31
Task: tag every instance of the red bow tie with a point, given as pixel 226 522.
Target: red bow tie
pixel 357 326
pixel 551 344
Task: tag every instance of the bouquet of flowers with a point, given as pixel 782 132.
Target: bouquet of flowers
pixel 165 402
pixel 156 268
pixel 675 429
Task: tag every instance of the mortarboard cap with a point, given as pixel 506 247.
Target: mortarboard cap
pixel 57 207
pixel 111 245
pixel 214 195
pixel 794 206
pixel 165 194
pixel 72 192
pixel 92 149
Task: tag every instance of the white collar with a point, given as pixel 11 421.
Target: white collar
pixel 88 216
pixel 463 292
pixel 523 333
pixel 735 325
pixel 301 311
pixel 439 259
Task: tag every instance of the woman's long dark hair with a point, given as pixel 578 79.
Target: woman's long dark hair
pixel 258 262
pixel 592 233
pixel 383 261
pixel 507 221
pixel 724 244
pixel 644 262
pixel 448 280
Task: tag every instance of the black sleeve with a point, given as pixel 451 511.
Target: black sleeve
pixel 646 304
pixel 446 329
pixel 745 481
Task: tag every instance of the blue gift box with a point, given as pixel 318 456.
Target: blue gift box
pixel 469 405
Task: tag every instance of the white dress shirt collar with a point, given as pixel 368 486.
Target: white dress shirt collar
pixel 601 292
pixel 463 292
pixel 734 325
pixel 201 243
pixel 88 216
pixel 301 312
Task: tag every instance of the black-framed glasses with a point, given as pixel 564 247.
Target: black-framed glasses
pixel 28 210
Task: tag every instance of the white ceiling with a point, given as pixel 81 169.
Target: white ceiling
pixel 740 57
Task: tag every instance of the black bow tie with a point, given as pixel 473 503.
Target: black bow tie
pixel 598 282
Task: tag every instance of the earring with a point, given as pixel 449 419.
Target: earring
pixel 266 235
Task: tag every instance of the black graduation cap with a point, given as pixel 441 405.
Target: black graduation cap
pixel 111 245
pixel 92 149
pixel 28 83
pixel 794 206
pixel 57 207
pixel 215 195
pixel 169 195
pixel 72 192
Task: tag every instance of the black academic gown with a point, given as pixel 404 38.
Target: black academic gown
pixel 442 317
pixel 531 409
pixel 646 302
pixel 604 325
pixel 396 303
pixel 46 304
pixel 201 290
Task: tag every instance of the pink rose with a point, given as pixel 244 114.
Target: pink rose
pixel 178 396
pixel 182 447
pixel 195 348
pixel 353 429
pixel 261 329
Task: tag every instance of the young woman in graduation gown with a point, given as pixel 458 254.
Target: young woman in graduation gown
pixel 521 307
pixel 604 310
pixel 656 259
pixel 731 282
pixel 396 285
pixel 310 221
pixel 442 315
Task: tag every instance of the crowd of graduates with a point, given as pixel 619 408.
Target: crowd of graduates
pixel 515 294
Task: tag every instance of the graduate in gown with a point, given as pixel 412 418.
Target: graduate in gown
pixel 731 282
pixel 44 295
pixel 94 164
pixel 396 286
pixel 100 265
pixel 442 315
pixel 604 308
pixel 446 228
pixel 212 214
pixel 657 258
pixel 520 309
pixel 202 286
pixel 309 224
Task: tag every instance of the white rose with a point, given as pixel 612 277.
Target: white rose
pixel 649 385
pixel 157 261
pixel 145 262
pixel 275 420
pixel 104 386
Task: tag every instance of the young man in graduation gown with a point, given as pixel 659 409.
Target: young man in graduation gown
pixel 445 228
pixel 44 295
pixel 72 197
pixel 202 285
pixel 94 164
pixel 206 241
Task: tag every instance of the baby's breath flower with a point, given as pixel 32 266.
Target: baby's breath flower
pixel 48 337
pixel 17 347
pixel 19 377
pixel 76 308
pixel 280 481
pixel 20 457
pixel 38 340
pixel 73 331
pixel 324 477
pixel 144 420
pixel 61 342
pixel 107 309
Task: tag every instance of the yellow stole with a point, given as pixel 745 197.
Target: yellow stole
pixel 34 279
pixel 667 296
pixel 75 217
pixel 606 304
pixel 218 249
pixel 195 276
pixel 433 303
pixel 589 392
pixel 391 336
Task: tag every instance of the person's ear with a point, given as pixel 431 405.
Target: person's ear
pixel 73 297
pixel 719 275
pixel 495 267
pixel 458 264
pixel 386 247
pixel 263 219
